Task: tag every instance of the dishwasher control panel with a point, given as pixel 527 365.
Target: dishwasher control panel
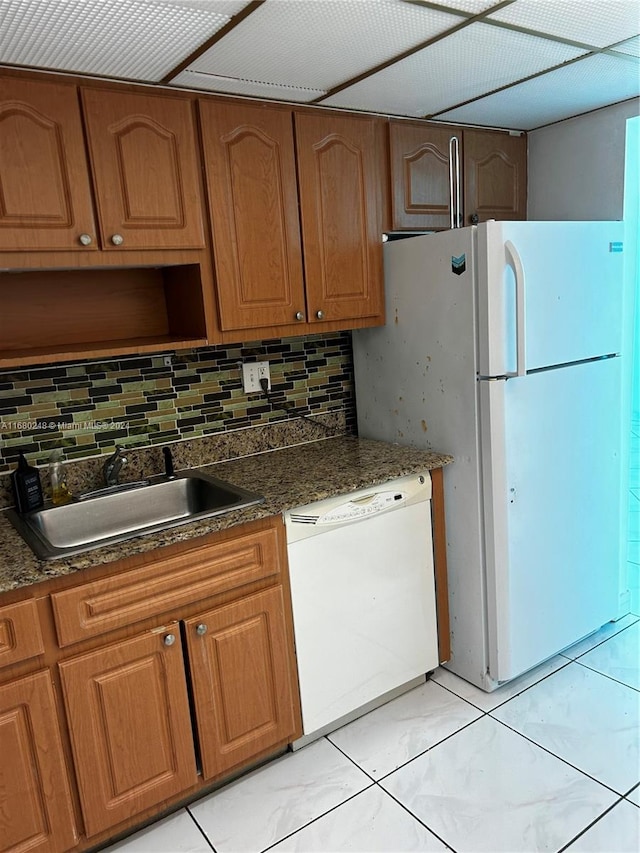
pixel 351 510
pixel 341 510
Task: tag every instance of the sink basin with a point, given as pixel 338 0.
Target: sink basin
pixel 62 531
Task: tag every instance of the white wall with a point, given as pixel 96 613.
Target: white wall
pixel 576 167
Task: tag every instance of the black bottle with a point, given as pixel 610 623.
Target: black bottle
pixel 27 489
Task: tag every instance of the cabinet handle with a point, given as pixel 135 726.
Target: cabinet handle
pixel 299 315
pixel 117 239
pixel 85 239
pixel 201 629
pixel 320 315
pixel 169 639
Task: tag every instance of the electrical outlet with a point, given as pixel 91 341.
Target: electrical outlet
pixel 252 373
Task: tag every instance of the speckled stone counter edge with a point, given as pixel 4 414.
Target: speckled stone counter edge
pixel 287 477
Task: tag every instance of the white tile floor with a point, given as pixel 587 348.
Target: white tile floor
pixel 550 762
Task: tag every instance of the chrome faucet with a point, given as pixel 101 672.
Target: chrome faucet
pixel 112 467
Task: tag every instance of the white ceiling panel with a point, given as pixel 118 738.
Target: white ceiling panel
pixel 298 50
pixel 630 47
pixel 472 7
pixel 577 88
pixel 251 88
pixel 596 22
pixel 320 44
pixel 430 80
pixel 134 39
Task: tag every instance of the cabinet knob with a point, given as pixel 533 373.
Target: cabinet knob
pixel 169 639
pixel 201 629
pixel 475 219
pixel 320 315
pixel 117 239
pixel 299 315
pixel 85 239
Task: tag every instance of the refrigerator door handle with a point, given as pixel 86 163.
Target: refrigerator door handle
pixel 513 259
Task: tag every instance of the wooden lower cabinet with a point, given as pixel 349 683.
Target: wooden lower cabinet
pixel 241 678
pixel 130 727
pixel 36 813
pixel 166 673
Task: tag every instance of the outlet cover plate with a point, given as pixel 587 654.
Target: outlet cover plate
pixel 252 373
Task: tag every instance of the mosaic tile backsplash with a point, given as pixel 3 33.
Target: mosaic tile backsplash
pixel 87 408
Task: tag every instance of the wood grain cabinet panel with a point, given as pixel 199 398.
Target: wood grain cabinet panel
pixel 143 156
pixel 36 812
pixel 241 674
pixel 340 166
pixel 114 602
pixel 130 726
pixel 495 176
pixel 253 198
pixel 420 179
pixel 20 635
pixel 492 178
pixel 45 194
pixel 298 205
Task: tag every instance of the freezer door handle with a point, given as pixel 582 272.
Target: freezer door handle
pixel 513 259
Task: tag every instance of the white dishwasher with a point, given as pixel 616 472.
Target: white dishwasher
pixel 363 593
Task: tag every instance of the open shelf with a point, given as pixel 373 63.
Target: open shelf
pixel 56 315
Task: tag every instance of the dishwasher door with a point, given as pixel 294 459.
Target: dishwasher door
pixel 363 593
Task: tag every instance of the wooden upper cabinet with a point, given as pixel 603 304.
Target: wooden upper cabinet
pixel 253 198
pixel 492 175
pixel 45 195
pixel 242 680
pixel 420 177
pixel 144 161
pixel 130 726
pixel 341 173
pixel 495 176
pixel 36 813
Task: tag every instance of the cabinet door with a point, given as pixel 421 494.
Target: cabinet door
pixel 420 178
pixel 242 683
pixel 253 198
pixel 495 176
pixel 20 635
pixel 36 814
pixel 130 727
pixel 342 174
pixel 45 196
pixel 144 160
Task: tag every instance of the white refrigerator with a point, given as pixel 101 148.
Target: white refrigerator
pixel 502 346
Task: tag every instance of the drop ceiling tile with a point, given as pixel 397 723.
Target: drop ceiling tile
pixel 585 85
pixel 253 88
pixel 134 39
pixel 473 7
pixel 596 22
pixel 630 47
pixel 474 60
pixel 320 44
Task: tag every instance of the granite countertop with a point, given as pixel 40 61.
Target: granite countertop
pixel 289 477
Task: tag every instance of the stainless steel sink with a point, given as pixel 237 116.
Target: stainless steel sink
pixel 125 512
